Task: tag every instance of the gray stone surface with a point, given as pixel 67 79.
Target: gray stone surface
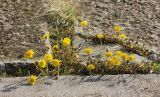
pixel 84 86
pixel 21 22
pixel 19 27
pixel 140 19
pixel 100 50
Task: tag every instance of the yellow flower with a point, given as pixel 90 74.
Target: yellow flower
pixel 119 53
pixel 122 36
pixel 42 64
pixel 45 36
pixel 66 41
pixel 100 36
pixel 114 61
pixel 110 61
pixel 32 79
pixel 109 54
pixel 117 28
pixel 124 56
pixel 115 58
pixel 48 57
pixel 131 57
pixel 29 54
pixel 84 23
pixel 117 62
pixel 91 67
pixel 56 62
pixel 55 48
pixel 88 50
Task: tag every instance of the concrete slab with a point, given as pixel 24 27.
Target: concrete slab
pixel 84 86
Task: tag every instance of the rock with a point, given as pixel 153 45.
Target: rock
pixel 155 57
pixel 100 50
pixel 139 19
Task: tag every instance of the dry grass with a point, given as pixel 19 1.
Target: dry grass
pixel 59 7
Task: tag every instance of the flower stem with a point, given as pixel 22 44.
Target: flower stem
pixel 101 41
pixel 58 72
pixel 90 72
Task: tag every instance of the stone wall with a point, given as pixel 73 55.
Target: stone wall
pixel 139 18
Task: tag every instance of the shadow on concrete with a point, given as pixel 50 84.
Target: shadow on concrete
pixel 107 80
pixel 18 84
pixel 49 80
pixel 110 80
pixel 14 86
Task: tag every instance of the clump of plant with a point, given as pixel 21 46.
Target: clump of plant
pixel 117 62
pixel 155 67
pixel 63 58
pixel 62 20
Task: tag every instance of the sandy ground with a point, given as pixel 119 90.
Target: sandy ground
pixel 84 86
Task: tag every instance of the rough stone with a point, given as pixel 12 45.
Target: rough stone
pixel 140 19
pixel 100 50
pixel 19 29
pixel 84 86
